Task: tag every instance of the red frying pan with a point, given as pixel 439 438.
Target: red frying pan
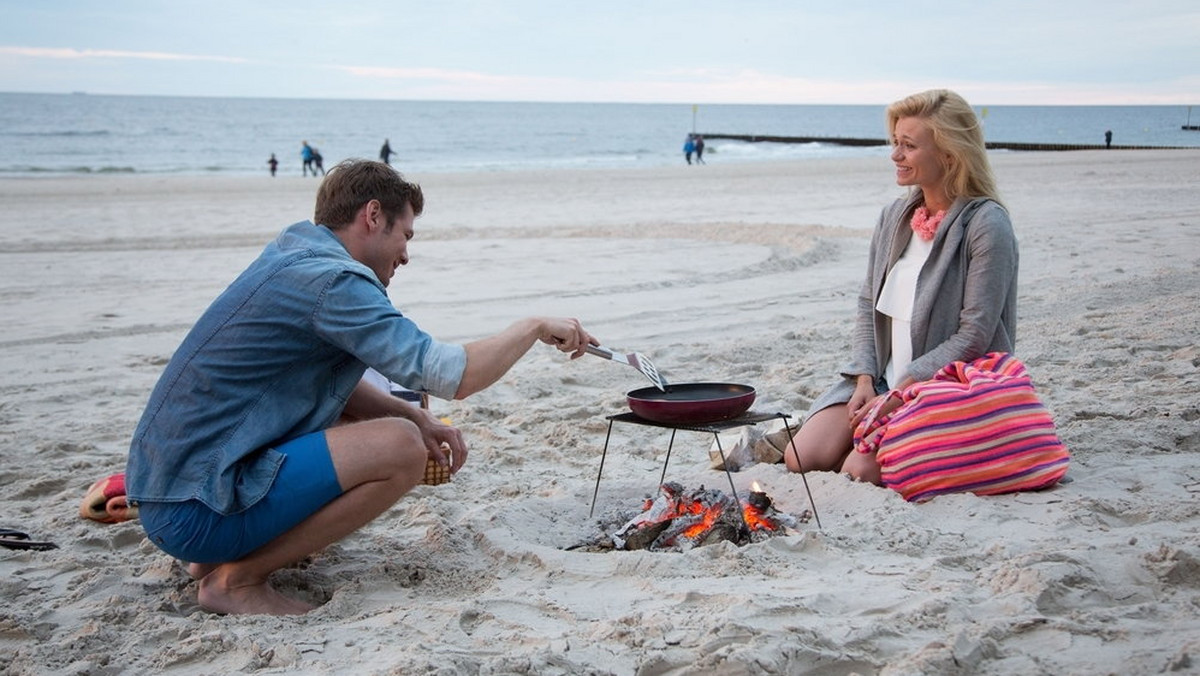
pixel 691 403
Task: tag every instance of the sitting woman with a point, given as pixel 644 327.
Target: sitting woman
pixel 941 281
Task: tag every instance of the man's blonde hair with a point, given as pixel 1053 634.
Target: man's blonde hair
pixel 353 183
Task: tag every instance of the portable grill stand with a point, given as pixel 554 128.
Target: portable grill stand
pixel 715 428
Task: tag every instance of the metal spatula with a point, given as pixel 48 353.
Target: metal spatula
pixel 635 359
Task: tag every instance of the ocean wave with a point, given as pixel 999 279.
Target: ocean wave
pixel 765 150
pixel 64 133
pixel 28 170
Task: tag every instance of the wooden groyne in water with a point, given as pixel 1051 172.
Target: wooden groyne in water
pixel 993 145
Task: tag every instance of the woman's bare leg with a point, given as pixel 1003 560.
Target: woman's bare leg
pixel 377 462
pixel 863 467
pixel 823 441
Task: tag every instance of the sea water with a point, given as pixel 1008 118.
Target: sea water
pixel 48 134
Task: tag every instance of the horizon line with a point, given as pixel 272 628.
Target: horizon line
pixel 564 101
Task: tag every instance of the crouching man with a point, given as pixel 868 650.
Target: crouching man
pixel 240 464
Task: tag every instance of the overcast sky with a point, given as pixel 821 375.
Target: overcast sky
pixel 697 51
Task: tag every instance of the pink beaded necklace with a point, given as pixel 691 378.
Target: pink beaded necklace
pixel 925 225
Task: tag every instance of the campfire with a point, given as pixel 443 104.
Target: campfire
pixel 678 520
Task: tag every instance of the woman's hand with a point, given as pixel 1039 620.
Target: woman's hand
pixel 860 402
pixel 866 390
pixel 894 399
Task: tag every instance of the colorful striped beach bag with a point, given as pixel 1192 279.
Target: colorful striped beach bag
pixel 976 426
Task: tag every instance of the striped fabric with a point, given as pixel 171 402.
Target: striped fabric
pixel 976 427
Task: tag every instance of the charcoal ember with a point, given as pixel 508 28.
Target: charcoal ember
pixel 640 531
pixel 722 523
pixel 724 532
pixel 672 489
pixel 709 496
pixel 700 517
pixel 759 501
pixel 660 510
pixel 641 537
pixel 678 520
pixel 597 544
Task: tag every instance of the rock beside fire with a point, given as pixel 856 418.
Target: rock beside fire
pixel 677 520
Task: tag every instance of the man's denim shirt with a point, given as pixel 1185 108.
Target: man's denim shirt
pixel 273 358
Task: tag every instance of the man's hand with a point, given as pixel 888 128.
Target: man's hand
pixel 567 334
pixel 439 438
pixel 490 358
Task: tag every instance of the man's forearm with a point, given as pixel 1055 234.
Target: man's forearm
pixel 490 358
pixel 368 402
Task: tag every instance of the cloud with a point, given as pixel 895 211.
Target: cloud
pixel 676 85
pixel 438 74
pixel 709 85
pixel 70 53
pixel 748 85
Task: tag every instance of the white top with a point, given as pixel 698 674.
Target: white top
pixel 896 301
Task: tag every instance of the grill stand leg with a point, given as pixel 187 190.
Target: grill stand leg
pixel 803 476
pixel 725 464
pixel 670 445
pixel 600 471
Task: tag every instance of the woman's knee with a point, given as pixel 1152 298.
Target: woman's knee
pixel 863 467
pixel 821 443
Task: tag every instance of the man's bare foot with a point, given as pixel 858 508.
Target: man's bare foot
pixel 218 596
pixel 199 570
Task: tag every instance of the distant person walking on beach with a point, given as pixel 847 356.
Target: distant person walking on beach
pixel 306 154
pixel 689 147
pixel 699 149
pixel 1108 139
pixel 385 153
pixel 318 162
pixel 273 164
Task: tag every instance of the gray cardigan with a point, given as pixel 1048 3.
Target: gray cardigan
pixel 966 298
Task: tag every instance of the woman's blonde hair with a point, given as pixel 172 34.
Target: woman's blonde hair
pixel 956 132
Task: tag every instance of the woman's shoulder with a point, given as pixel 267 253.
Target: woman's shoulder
pixel 988 212
pixel 988 223
pixel 989 205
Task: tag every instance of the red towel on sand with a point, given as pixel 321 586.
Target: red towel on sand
pixel 106 502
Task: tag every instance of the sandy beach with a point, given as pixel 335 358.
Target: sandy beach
pixel 730 273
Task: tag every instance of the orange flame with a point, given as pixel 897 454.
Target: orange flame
pixel 703 511
pixel 711 514
pixel 755 519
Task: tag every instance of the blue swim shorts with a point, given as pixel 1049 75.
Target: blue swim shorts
pixel 193 532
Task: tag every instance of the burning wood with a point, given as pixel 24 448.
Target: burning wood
pixel 678 520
